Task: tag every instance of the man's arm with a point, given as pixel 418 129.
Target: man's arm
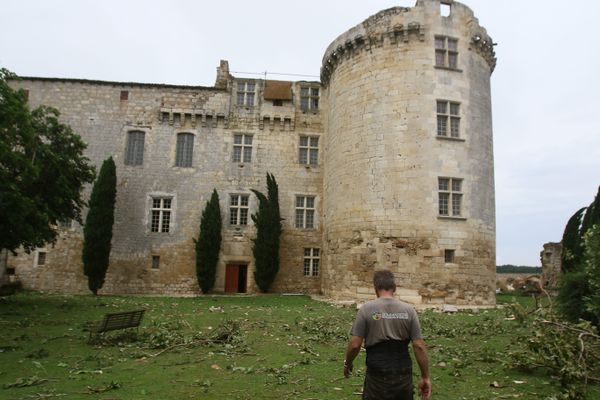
pixel 351 352
pixel 420 351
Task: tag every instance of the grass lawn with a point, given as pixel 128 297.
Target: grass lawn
pixel 243 347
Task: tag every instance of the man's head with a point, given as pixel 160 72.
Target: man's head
pixel 383 281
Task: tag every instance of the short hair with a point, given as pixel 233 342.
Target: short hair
pixel 384 280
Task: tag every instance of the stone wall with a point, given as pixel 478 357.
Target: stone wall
pixel 95 111
pixel 551 258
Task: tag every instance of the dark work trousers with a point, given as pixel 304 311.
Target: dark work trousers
pixel 388 385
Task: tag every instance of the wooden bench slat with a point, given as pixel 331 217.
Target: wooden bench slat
pixel 120 320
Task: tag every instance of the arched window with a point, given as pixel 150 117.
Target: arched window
pixel 185 150
pixel 134 154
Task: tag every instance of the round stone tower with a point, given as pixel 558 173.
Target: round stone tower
pixel 409 172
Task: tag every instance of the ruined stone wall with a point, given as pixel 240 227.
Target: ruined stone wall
pixel 96 111
pixel 551 258
pixel 384 158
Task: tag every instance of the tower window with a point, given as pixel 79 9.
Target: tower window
pixel 450 197
pixel 446 52
pixel 448 119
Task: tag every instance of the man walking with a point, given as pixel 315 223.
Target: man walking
pixel 387 326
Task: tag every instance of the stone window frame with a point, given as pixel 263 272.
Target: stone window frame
pixel 41 254
pixel 245 148
pixel 239 209
pixel 162 212
pixel 449 256
pixel 448 120
pixel 451 197
pixel 246 93
pixel 311 261
pixel 446 52
pixel 184 149
pixel 155 262
pixel 305 211
pixel 310 150
pixel 134 147
pixel 309 100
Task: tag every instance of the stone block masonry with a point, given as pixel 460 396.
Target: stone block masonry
pixel 385 163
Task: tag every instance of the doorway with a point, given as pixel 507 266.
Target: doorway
pixel 236 277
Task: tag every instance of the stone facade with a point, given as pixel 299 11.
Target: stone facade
pixel 551 258
pixel 391 152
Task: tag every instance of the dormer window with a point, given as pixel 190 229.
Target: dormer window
pixel 309 98
pixel 245 93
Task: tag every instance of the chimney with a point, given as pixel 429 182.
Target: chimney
pixel 222 75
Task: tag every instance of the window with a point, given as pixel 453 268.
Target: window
pixel 161 214
pixel 155 262
pixel 448 118
pixel 135 148
pixel 245 93
pixel 449 256
pixel 124 95
pixel 445 9
pixel 41 258
pixel 309 98
pixel 446 52
pixel 305 212
pixel 242 148
pixel 450 197
pixel 309 150
pixel 185 150
pixel 238 209
pixel 311 262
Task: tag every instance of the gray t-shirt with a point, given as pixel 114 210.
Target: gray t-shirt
pixel 386 319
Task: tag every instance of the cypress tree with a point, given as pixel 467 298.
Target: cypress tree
pixel 268 231
pixel 97 231
pixel 592 214
pixel 572 242
pixel 208 244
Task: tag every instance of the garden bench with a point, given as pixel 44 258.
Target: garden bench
pixel 120 320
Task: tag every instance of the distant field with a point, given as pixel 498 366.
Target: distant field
pixel 246 347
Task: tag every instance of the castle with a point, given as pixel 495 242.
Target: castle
pixel 387 162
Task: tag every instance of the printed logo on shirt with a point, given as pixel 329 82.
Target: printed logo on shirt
pixel 379 315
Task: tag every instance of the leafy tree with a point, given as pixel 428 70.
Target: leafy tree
pixel 268 231
pixel 42 171
pixel 592 271
pixel 572 243
pixel 208 244
pixel 97 231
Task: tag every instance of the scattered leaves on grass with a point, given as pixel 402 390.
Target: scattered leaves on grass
pixel 110 386
pixel 25 382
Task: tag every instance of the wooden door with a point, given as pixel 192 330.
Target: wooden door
pixel 231 278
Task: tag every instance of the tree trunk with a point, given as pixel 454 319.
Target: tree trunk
pixel 3 265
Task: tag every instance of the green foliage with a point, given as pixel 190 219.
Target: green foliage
pixel 42 171
pixel 517 269
pixel 571 241
pixel 208 244
pixel 97 231
pixel 268 231
pixel 569 352
pixel 578 293
pixel 574 286
pixel 592 271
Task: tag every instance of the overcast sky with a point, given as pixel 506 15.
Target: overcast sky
pixel 545 89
